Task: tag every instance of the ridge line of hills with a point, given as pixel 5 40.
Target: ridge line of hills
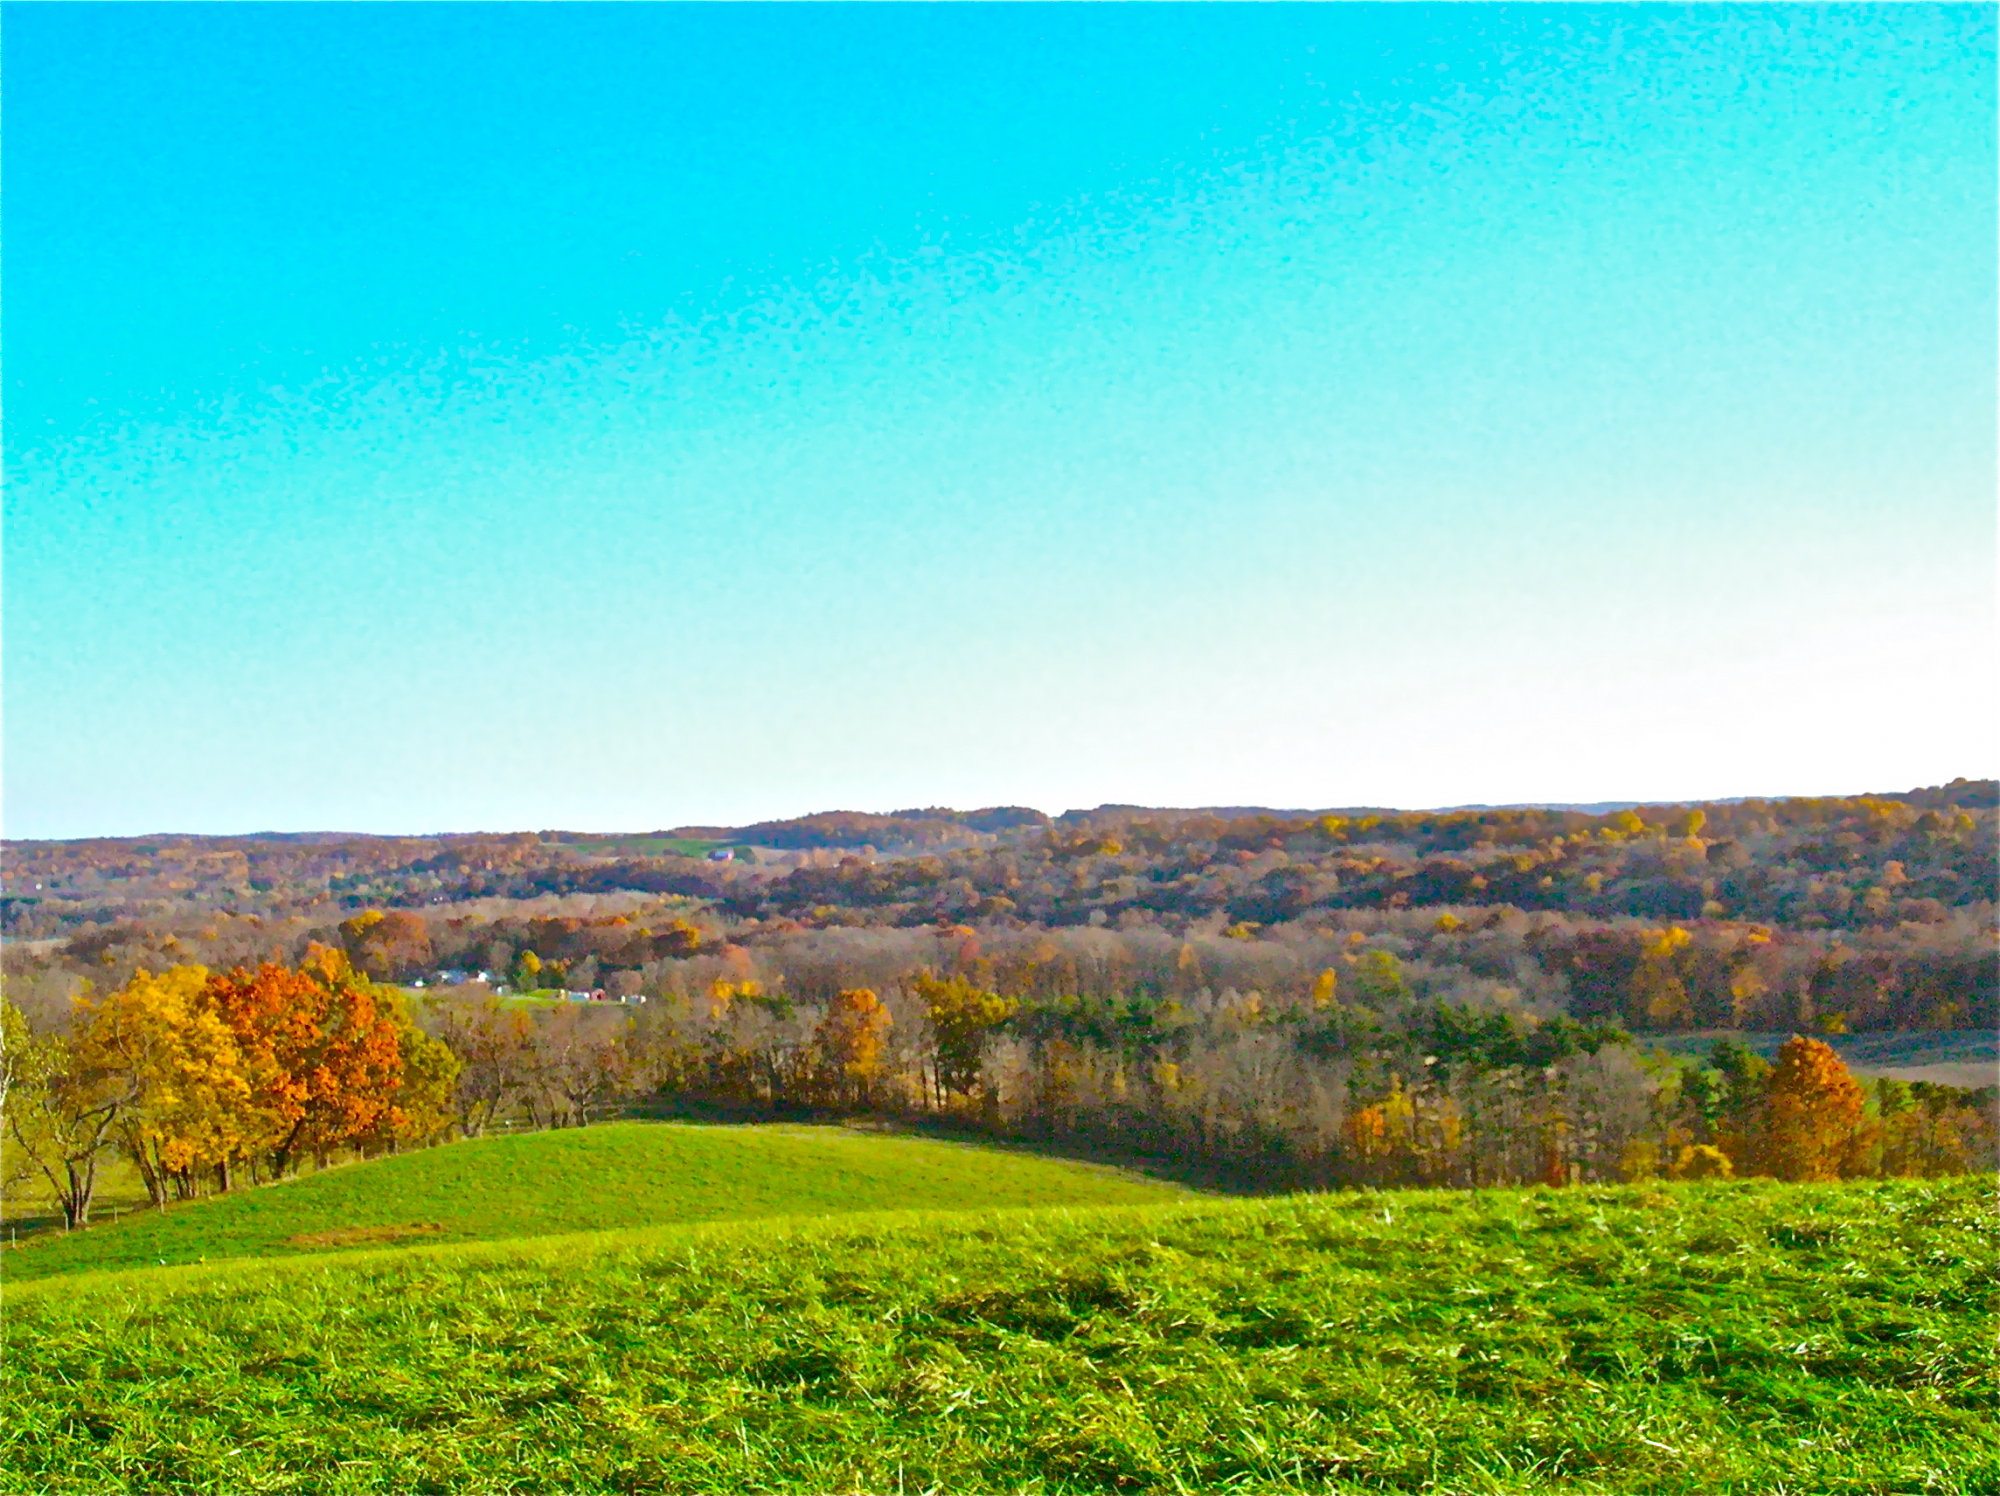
pixel 852 828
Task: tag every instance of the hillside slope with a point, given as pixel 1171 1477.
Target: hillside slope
pixel 622 1174
pixel 1689 1338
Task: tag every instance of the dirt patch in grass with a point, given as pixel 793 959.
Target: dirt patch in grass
pixel 363 1236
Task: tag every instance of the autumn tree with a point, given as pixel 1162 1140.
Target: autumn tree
pixel 1378 977
pixel 191 1070
pixel 385 946
pixel 963 1017
pixel 326 1046
pixel 196 1104
pixel 850 1040
pixel 1381 1136
pixel 1703 1161
pixel 580 1062
pixel 64 1104
pixel 1326 990
pixel 1813 1112
pixel 16 1167
pixel 495 1047
pixel 1659 991
pixel 426 1094
pixel 14 1035
pixel 1927 1130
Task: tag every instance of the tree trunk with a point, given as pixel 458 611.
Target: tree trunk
pixel 156 1193
pixel 282 1155
pixel 79 1189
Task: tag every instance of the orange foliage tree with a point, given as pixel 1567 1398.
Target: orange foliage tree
pixel 325 1046
pixel 1813 1112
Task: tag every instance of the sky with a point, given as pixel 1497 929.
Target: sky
pixel 452 417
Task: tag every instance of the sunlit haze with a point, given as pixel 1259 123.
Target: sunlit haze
pixel 429 418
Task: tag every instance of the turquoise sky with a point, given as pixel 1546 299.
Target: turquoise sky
pixel 453 417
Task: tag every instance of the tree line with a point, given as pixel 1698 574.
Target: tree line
pixel 200 1077
pixel 1344 997
pixel 1857 862
pixel 203 1078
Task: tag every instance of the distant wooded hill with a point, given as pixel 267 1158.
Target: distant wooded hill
pixel 1832 862
pixel 1367 996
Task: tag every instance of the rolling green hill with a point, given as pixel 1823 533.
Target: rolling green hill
pixel 620 1175
pixel 1728 1337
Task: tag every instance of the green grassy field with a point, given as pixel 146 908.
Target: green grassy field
pixel 649 846
pixel 1739 1337
pixel 623 1174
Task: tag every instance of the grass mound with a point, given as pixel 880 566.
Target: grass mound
pixel 1740 1337
pixel 620 1175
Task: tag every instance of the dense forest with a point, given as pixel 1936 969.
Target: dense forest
pixel 1328 997
pixel 1876 912
pixel 1852 863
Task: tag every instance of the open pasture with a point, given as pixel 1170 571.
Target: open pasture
pixel 1721 1337
pixel 620 1175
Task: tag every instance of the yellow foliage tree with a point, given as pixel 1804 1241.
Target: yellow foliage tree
pixel 962 1017
pixel 1658 979
pixel 1326 989
pixel 1703 1161
pixel 851 1039
pixel 426 1092
pixel 1378 976
pixel 196 1103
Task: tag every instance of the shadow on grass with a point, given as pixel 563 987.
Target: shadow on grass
pixel 1229 1176
pixel 1241 1175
